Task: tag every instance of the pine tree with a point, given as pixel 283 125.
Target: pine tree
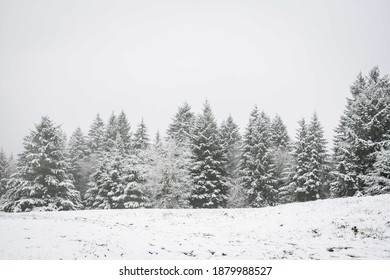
pixel 117 183
pixel 4 171
pixel 42 181
pixel 111 132
pixel 302 161
pixel 96 136
pixel 317 167
pixel 141 137
pixel 278 135
pixel 231 145
pixel 124 131
pixel 208 174
pixel 78 155
pixel 364 128
pixel 182 125
pixel 256 162
pixel 378 179
pixel 231 142
pixel 280 150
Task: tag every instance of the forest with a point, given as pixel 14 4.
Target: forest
pixel 199 163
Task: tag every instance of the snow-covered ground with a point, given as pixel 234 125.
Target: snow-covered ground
pixel 348 228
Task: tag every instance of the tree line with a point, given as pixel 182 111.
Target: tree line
pixel 199 163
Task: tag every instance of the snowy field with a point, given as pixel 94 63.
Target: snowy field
pixel 351 228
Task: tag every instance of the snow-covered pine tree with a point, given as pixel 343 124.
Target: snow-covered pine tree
pixel 43 181
pixel 318 167
pixel 231 145
pixel 78 153
pixel 302 161
pixel 141 138
pixel 124 131
pixel 168 177
pixel 364 128
pixel 278 135
pixel 378 179
pixel 209 185
pixel 96 136
pixel 182 125
pixel 256 168
pixel 110 132
pixel 281 157
pixel 4 171
pixel 117 182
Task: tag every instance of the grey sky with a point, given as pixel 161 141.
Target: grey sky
pixel 72 59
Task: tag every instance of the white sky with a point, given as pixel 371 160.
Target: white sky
pixel 72 59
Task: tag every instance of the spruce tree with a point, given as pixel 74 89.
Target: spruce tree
pixel 96 136
pixel 43 178
pixel 182 124
pixel 78 153
pixel 4 171
pixel 256 167
pixel 278 135
pixel 117 182
pixel 302 161
pixel 208 173
pixel 280 150
pixel 378 178
pixel 124 131
pixel 110 132
pixel 363 130
pixel 141 137
pixel 231 142
pixel 318 166
pixel 231 145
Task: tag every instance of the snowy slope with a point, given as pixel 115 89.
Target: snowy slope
pixel 313 230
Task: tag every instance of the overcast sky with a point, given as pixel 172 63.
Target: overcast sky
pixel 72 59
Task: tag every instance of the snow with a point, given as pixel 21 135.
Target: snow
pixel 344 228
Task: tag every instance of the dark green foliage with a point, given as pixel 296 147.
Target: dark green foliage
pixel 208 173
pixel 256 167
pixel 362 133
pixel 43 180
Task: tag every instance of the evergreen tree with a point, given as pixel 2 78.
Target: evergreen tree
pixel 287 186
pixel 124 131
pixel 118 182
pixel 182 125
pixel 363 130
pixel 78 155
pixel 310 174
pixel 231 142
pixel 208 174
pixel 317 167
pixel 378 179
pixel 111 132
pixel 302 161
pixel 43 181
pixel 141 137
pixel 256 163
pixel 96 136
pixel 231 145
pixel 278 135
pixel 280 149
pixel 4 171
